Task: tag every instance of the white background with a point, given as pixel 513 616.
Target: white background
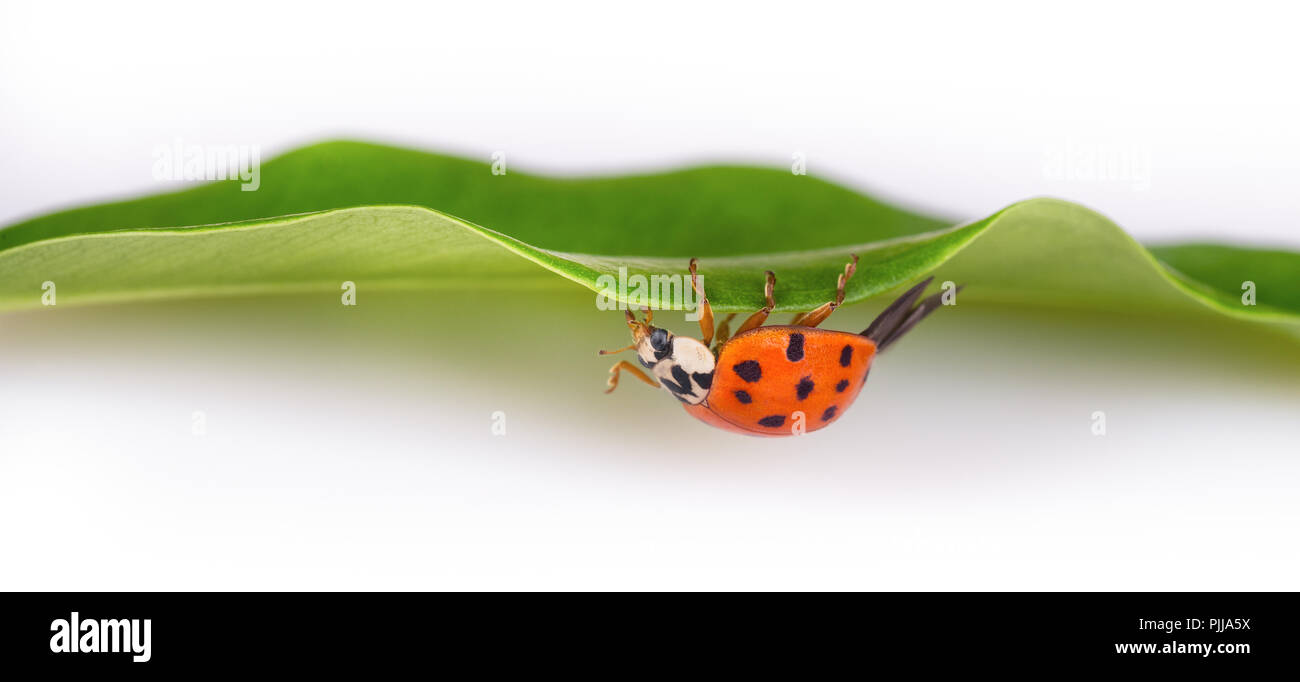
pixel 345 462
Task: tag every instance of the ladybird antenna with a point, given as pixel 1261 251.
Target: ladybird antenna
pixel 612 352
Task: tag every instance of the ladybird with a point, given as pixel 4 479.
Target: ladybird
pixel 775 380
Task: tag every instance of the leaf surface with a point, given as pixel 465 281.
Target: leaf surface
pixel 385 217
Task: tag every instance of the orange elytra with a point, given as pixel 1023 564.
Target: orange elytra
pixel 777 380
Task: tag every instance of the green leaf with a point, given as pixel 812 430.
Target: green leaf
pixel 384 217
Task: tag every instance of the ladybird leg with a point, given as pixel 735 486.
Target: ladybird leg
pixel 724 333
pixel 816 317
pixel 636 372
pixel 706 310
pixel 813 318
pixel 758 318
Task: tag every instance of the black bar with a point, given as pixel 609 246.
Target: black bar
pixel 205 632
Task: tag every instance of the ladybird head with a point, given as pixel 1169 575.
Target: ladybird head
pixel 683 365
pixel 652 344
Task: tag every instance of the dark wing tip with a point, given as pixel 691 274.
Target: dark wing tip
pixel 894 312
pixel 899 318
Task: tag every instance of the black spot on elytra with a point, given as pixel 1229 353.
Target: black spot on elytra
pixel 846 356
pixel 804 388
pixel 773 421
pixel 830 412
pixel 794 351
pixel 704 379
pixel 743 396
pixel 844 383
pixel 749 370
